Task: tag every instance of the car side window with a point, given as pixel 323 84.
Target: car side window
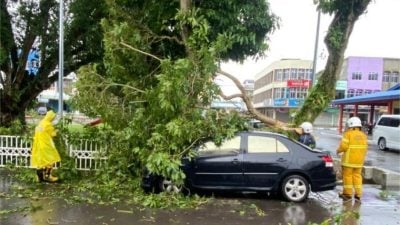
pixel 389 122
pixel 395 122
pixel 228 145
pixel 261 144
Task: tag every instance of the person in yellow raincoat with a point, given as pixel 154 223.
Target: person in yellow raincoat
pixel 353 147
pixel 44 152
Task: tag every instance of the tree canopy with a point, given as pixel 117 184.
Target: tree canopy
pixel 156 85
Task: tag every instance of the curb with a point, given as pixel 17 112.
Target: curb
pixel 388 179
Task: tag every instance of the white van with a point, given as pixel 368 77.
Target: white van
pixel 386 133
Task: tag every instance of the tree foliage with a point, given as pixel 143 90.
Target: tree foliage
pixel 156 85
pixel 34 24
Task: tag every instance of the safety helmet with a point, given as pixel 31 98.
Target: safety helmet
pixel 307 127
pixel 354 122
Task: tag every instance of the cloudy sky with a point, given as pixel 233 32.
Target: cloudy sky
pixel 375 34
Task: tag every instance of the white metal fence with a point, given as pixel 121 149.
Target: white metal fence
pixel 16 151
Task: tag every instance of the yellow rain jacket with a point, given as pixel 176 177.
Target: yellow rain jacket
pixel 354 146
pixel 44 152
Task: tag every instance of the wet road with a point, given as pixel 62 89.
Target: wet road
pixel 329 140
pixel 378 208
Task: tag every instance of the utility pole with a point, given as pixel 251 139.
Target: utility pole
pixel 61 61
pixel 313 75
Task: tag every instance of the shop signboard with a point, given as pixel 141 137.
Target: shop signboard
pixel 298 83
pixel 280 102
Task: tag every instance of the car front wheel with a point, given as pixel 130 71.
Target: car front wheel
pixel 382 144
pixel 166 185
pixel 295 188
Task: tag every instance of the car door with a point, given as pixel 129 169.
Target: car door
pixel 219 166
pixel 393 132
pixel 264 159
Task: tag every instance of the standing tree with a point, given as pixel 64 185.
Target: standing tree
pixel 346 13
pixel 34 24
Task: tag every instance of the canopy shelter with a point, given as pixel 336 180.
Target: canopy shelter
pixel 384 98
pixel 50 98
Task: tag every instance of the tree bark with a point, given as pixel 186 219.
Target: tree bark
pixel 250 107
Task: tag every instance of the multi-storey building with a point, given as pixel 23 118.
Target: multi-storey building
pixel 366 75
pixel 284 84
pixel 281 86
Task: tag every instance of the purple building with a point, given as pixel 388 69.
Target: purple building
pixel 363 75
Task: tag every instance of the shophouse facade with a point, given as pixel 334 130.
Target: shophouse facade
pixel 366 75
pixel 282 86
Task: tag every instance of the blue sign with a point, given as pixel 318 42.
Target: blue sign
pixel 290 102
pixel 295 102
pixel 280 102
pixel 32 64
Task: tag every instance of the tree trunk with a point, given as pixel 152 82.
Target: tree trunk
pixel 250 107
pixel 14 103
pixel 336 41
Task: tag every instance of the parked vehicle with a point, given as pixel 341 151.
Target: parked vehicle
pixel 386 132
pixel 254 161
pixel 42 110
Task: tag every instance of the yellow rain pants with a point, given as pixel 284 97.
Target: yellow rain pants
pixel 44 152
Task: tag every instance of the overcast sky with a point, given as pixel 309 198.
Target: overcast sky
pixel 375 34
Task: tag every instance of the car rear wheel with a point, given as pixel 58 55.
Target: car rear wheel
pixel 295 188
pixel 382 144
pixel 166 185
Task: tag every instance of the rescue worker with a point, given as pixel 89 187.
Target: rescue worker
pixel 305 135
pixel 44 152
pixel 354 147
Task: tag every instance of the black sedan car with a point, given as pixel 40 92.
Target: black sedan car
pixel 254 161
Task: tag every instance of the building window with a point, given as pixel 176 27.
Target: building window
pixel 356 76
pixel 359 92
pixel 293 74
pixel 386 76
pixel 303 93
pixel 339 94
pixel 301 73
pixel 279 92
pixel 308 74
pixel 278 75
pixel 286 74
pixel 373 76
pixel 367 92
pixel 394 77
pixel 350 93
pixel 297 92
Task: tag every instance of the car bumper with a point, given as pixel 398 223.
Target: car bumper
pixel 323 185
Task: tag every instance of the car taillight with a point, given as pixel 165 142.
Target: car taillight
pixel 328 160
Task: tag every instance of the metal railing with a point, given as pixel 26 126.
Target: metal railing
pixel 16 151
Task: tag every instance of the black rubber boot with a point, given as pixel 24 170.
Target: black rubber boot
pixel 40 175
